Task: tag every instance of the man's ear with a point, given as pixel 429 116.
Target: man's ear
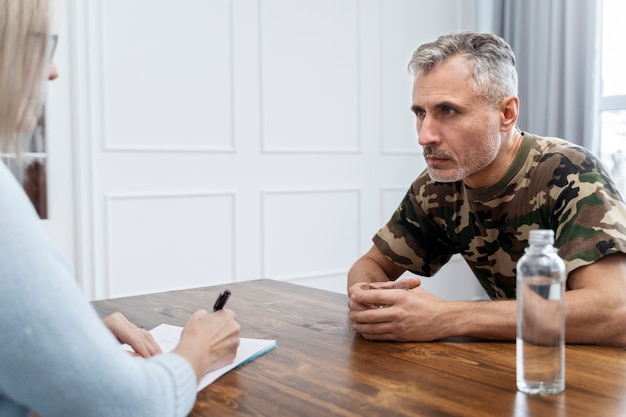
pixel 509 108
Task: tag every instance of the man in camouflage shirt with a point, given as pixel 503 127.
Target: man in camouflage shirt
pixel 487 184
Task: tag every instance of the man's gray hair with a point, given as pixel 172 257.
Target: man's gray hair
pixel 493 60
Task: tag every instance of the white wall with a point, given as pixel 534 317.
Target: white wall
pixel 207 142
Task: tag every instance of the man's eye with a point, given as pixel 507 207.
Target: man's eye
pixel 448 111
pixel 420 114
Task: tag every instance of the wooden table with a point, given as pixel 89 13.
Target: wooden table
pixel 322 368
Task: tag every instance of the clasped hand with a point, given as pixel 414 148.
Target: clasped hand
pixel 394 310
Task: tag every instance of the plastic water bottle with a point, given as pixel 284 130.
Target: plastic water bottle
pixel 541 317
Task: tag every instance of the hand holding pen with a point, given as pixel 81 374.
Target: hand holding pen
pixel 221 300
pixel 210 340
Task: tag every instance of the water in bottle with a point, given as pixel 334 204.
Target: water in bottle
pixel 541 317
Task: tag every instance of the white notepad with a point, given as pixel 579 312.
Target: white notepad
pixel 167 336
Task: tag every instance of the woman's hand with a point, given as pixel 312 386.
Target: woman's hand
pixel 136 337
pixel 209 340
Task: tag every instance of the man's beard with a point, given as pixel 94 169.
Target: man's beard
pixel 478 157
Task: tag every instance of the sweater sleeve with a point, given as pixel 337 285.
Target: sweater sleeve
pixel 56 355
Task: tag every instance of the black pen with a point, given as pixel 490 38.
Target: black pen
pixel 221 300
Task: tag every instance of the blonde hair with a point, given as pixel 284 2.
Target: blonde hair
pixel 25 43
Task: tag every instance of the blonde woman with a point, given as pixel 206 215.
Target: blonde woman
pixel 57 358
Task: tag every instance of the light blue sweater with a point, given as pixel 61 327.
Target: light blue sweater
pixel 56 356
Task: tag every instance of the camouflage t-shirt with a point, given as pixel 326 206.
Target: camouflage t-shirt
pixel 552 184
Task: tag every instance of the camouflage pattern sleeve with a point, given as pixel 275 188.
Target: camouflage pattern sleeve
pixel 411 238
pixel 590 213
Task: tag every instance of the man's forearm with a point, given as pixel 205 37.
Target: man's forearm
pixel 373 267
pixel 498 320
pixel 483 319
pixel 595 307
pixel 366 270
pixel 593 320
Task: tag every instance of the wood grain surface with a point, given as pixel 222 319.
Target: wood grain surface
pixel 322 368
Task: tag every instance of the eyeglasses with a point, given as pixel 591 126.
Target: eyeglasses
pixel 54 39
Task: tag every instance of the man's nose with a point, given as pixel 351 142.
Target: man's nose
pixel 427 131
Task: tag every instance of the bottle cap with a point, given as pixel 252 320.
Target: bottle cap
pixel 541 237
